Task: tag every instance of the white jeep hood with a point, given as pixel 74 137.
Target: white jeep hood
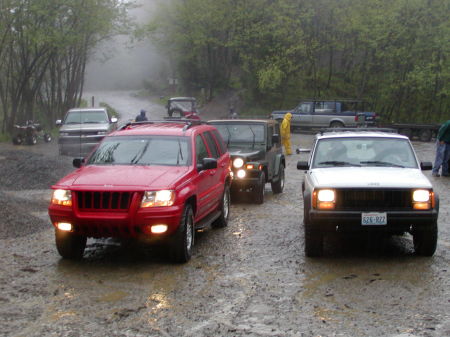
pixel 366 177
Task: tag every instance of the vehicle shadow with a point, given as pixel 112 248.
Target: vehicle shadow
pixel 125 253
pixel 368 245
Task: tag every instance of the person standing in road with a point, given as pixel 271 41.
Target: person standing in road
pixel 442 150
pixel 233 114
pixel 286 133
pixel 141 117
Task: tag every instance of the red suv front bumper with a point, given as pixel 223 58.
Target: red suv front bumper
pixel 134 222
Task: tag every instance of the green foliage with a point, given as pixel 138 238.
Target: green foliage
pixel 111 111
pixel 394 53
pixel 44 48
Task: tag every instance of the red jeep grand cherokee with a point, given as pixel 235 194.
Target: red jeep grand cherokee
pixel 149 181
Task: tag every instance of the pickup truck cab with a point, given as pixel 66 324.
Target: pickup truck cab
pixel 329 113
pixel 150 181
pixel 82 129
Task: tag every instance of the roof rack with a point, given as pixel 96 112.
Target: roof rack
pixel 188 122
pixel 320 99
pixel 374 129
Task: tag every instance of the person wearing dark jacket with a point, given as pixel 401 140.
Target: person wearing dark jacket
pixel 141 117
pixel 442 150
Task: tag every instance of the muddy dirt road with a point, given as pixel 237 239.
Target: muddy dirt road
pixel 249 279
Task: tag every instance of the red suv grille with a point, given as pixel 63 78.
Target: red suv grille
pixel 100 201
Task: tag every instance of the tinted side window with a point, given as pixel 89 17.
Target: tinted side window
pixel 200 149
pixel 324 107
pixel 305 108
pixel 277 132
pixel 329 105
pixel 222 146
pixel 212 145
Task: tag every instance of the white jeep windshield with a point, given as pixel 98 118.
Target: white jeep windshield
pixel 364 151
pixel 142 150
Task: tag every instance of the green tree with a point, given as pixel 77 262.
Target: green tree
pixel 45 50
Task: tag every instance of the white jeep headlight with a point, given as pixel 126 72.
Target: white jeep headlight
pixel 325 195
pixel 324 199
pixel 421 196
pixel 158 198
pixel 423 199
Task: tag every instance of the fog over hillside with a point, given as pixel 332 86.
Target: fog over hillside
pixel 118 64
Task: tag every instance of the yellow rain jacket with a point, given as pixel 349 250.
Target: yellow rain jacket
pixel 286 133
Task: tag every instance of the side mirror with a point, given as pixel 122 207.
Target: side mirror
pixel 114 120
pixel 302 165
pixel 299 150
pixel 58 122
pixel 207 164
pixel 78 162
pixel 275 138
pixel 426 166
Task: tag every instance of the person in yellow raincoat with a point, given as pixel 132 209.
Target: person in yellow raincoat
pixel 286 133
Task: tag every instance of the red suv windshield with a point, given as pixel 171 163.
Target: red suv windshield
pixel 142 150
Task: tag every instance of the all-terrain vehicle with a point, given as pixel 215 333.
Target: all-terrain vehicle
pixel 183 107
pixel 256 155
pixel 29 133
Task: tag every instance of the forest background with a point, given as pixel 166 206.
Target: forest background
pixel 393 53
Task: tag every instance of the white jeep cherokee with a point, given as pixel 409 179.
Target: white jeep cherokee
pixel 366 180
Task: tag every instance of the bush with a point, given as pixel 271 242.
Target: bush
pixel 111 111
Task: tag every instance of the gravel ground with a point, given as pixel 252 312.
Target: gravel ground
pixel 24 173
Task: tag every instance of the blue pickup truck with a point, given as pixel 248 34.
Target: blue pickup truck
pixel 329 114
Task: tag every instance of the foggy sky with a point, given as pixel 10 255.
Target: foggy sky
pixel 117 64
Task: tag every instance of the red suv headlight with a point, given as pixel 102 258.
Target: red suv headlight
pixel 158 198
pixel 62 198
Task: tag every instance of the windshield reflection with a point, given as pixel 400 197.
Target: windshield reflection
pixel 364 151
pixel 142 150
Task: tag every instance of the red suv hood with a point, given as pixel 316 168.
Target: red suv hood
pixel 146 177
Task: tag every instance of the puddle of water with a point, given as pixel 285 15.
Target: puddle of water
pixel 326 315
pixel 114 296
pixel 63 314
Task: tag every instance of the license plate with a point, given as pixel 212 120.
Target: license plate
pixel 373 219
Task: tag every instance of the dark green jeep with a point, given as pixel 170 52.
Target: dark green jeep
pixel 256 155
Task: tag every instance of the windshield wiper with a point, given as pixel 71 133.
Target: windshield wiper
pixel 180 152
pixel 140 154
pixel 254 136
pixel 229 135
pixel 380 163
pixel 338 163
